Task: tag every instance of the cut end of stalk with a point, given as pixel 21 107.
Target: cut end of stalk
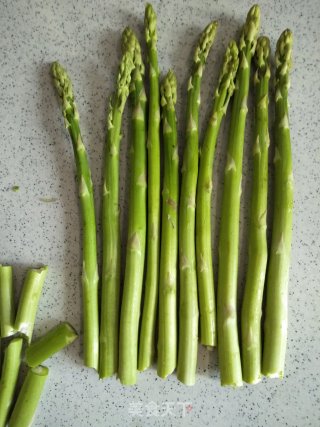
pixel 150 23
pixel 205 42
pixel 130 43
pixel 168 90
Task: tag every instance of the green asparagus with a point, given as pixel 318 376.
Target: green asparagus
pixel 6 302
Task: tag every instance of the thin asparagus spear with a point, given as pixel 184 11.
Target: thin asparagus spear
pixel 148 323
pixel 89 246
pixel 9 376
pixel 29 300
pixel 167 340
pixel 188 310
pixel 275 327
pixel 131 299
pixel 6 301
pixel 110 293
pixel 222 96
pixel 53 341
pixel 258 252
pixel 228 342
pixel 29 396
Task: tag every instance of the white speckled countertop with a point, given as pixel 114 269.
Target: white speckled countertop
pixel 36 155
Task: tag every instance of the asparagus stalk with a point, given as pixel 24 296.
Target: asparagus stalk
pixel 148 323
pixel 222 96
pixel 188 311
pixel 167 340
pixel 29 396
pixel 89 268
pixel 275 327
pixel 9 377
pixel 110 293
pixel 135 254
pixel 29 300
pixel 53 341
pixel 6 302
pixel 229 353
pixel 258 252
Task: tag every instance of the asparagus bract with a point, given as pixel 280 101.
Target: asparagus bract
pixel 89 245
pixel 222 96
pixel 258 252
pixel 167 340
pixel 275 327
pixel 188 310
pixel 135 253
pixel 148 323
pixel 6 302
pixel 110 292
pixel 228 341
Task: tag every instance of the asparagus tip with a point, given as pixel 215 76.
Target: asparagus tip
pixel 168 90
pixel 131 44
pixel 262 58
pixel 205 42
pixel 150 23
pixel 284 51
pixel 251 26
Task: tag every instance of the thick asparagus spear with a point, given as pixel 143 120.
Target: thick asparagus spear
pixel 29 396
pixel 131 299
pixel 110 292
pixel 188 311
pixel 89 245
pixel 6 302
pixel 222 96
pixel 228 342
pixel 258 252
pixel 167 340
pixel 275 327
pixel 148 323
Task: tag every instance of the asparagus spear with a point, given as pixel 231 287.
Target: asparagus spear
pixel 275 327
pixel 6 302
pixel 131 299
pixel 258 252
pixel 29 396
pixel 167 340
pixel 29 300
pixel 53 341
pixel 222 96
pixel 9 377
pixel 229 354
pixel 110 293
pixel 148 323
pixel 188 311
pixel 89 268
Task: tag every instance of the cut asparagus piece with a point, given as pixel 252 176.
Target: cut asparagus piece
pixel 275 327
pixel 29 301
pixel 148 323
pixel 167 340
pixel 29 397
pixel 89 244
pixel 228 341
pixel 188 306
pixel 257 252
pixel 222 96
pixel 110 292
pixel 53 341
pixel 135 254
pixel 6 302
pixel 9 377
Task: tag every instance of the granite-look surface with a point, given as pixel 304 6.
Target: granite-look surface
pixel 40 222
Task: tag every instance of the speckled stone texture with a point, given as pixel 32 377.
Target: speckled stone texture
pixel 40 222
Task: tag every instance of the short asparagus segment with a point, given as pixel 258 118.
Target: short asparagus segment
pixel 89 245
pixel 228 341
pixel 110 292
pixel 135 254
pixel 222 96
pixel 258 252
pixel 275 327
pixel 29 300
pixel 188 310
pixel 148 323
pixel 6 302
pixel 53 341
pixel 9 377
pixel 167 340
pixel 29 397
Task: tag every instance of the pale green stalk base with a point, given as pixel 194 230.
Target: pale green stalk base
pixel 6 302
